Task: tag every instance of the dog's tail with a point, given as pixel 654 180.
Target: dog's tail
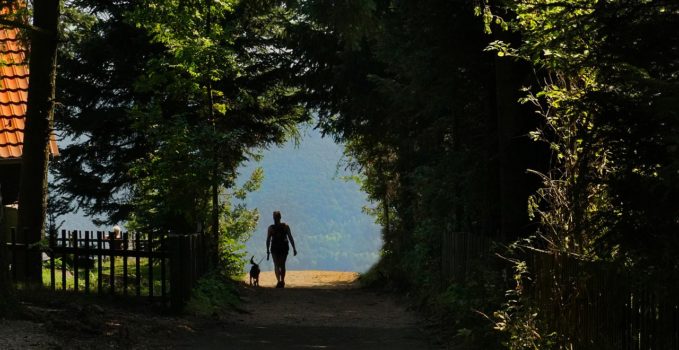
pixel 252 260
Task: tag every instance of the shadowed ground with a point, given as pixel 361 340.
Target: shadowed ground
pixel 316 310
pixel 310 279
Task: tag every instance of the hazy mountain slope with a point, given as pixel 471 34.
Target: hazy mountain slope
pixel 323 210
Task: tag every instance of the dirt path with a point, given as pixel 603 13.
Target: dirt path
pixel 24 335
pixel 316 310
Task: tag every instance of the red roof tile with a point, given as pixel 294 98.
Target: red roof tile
pixel 14 95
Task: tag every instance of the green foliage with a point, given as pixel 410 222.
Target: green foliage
pixel 428 116
pixel 214 292
pixel 411 123
pixel 411 102
pixel 558 39
pixel 99 109
pixel 605 123
pixel 463 306
pixel 610 134
pixel 603 84
pixel 201 85
pixel 206 140
pixel 519 320
pixel 238 223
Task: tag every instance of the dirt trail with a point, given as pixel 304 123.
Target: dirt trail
pixel 316 310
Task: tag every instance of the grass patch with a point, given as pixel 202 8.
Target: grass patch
pixel 118 271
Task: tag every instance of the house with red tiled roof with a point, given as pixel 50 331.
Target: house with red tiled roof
pixel 13 103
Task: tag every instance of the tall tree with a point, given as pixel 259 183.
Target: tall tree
pixel 39 117
pixel 176 113
pixel 609 82
pixel 607 100
pixel 411 94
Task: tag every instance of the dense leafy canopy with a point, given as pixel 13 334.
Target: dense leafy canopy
pixel 162 101
pixel 178 107
pixel 608 100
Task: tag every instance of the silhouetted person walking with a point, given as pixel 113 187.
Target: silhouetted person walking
pixel 277 240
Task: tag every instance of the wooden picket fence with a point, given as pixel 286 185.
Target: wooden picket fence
pixel 459 252
pixel 590 305
pixel 596 305
pixel 189 260
pixel 160 267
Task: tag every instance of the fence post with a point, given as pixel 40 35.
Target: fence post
pixel 112 264
pixel 189 262
pixel 75 235
pixel 137 259
pixel 192 260
pixel 63 260
pixel 163 261
pixel 125 248
pixel 149 247
pixel 100 247
pixel 176 272
pixel 87 262
pixel 52 245
pixel 444 257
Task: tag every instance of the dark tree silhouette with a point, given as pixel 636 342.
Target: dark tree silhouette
pixel 39 116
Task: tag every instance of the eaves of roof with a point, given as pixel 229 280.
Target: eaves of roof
pixel 14 96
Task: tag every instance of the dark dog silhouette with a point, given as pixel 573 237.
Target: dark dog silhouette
pixel 254 272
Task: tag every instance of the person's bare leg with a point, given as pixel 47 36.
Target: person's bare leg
pixel 276 270
pixel 279 267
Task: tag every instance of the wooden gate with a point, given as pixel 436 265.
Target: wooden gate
pixel 161 267
pixel 129 264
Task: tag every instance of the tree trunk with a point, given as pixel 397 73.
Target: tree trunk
pixel 33 186
pixel 211 115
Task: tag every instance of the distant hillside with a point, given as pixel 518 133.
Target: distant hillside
pixel 324 211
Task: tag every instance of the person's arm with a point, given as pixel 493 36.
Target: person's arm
pixel 292 240
pixel 268 243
